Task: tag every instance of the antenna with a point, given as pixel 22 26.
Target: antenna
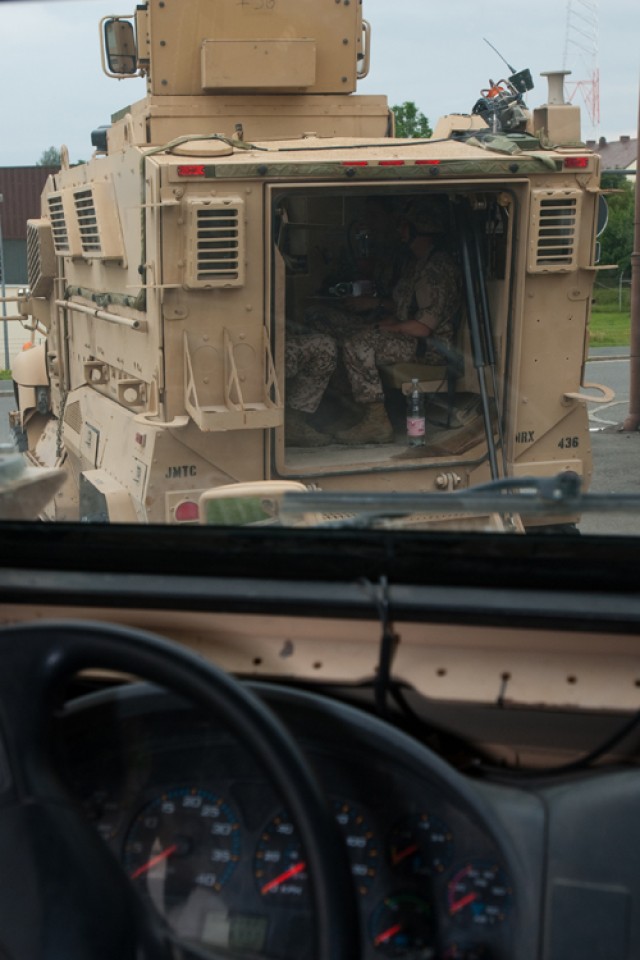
pixel 520 80
pixel 500 55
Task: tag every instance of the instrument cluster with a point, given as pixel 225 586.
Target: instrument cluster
pixel 198 828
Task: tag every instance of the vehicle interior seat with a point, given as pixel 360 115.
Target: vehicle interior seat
pixel 433 378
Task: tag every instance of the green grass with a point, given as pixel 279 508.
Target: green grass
pixel 610 318
pixel 5 374
pixel 609 328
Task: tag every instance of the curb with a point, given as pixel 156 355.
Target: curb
pixel 623 356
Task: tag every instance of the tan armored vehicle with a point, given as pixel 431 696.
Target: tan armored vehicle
pixel 252 209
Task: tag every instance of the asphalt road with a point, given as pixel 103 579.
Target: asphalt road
pixel 616 455
pixel 610 367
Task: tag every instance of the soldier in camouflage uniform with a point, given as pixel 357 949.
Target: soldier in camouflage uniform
pixel 311 352
pixel 310 361
pixel 382 264
pixel 421 311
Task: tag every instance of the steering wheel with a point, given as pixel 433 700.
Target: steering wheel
pixel 63 893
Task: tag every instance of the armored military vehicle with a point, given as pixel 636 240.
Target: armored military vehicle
pixel 251 197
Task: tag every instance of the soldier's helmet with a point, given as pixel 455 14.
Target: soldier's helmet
pixel 426 217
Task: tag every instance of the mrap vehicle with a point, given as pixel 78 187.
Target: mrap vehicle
pixel 301 743
pixel 169 274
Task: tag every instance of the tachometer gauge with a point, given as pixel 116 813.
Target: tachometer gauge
pixel 184 840
pixel 279 866
pixel 420 845
pixel 280 869
pixel 479 893
pixel 362 846
pixel 402 925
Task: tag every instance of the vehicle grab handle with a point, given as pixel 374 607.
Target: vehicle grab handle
pixel 607 394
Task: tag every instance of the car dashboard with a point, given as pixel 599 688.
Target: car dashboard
pixel 197 826
pixel 478 820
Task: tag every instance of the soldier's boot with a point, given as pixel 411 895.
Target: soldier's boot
pixel 375 427
pixel 298 432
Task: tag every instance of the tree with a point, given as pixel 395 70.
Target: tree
pixel 50 158
pixel 617 239
pixel 410 122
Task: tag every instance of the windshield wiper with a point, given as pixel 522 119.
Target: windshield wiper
pixel 556 497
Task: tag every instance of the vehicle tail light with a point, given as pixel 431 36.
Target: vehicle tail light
pixel 187 512
pixel 576 163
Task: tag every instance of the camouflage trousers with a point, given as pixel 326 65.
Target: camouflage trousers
pixel 337 322
pixel 310 361
pixel 364 351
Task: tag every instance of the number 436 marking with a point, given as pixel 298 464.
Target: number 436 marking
pixel 566 442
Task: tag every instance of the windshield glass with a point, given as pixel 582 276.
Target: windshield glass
pixel 260 282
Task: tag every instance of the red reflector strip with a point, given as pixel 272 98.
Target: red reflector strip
pixel 391 163
pixel 574 163
pixel 355 163
pixel 187 511
pixel 427 163
pixel 191 170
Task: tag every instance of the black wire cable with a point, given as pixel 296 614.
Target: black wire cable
pixel 384 686
pixel 583 763
pixel 388 643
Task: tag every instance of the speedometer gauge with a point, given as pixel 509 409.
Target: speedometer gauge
pixel 184 840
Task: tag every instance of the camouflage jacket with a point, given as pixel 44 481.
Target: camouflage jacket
pixel 430 291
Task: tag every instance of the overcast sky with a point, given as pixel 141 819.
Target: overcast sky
pixel 52 89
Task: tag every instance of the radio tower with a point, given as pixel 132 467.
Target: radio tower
pixel 581 45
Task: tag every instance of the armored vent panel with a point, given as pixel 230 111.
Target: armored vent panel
pixel 87 222
pixel 215 243
pixel 555 221
pixel 63 225
pixel 41 258
pixel 96 214
pixel 73 416
pixel 58 223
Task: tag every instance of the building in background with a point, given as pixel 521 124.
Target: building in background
pixel 619 154
pixel 20 189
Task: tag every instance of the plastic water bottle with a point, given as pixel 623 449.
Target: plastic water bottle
pixel 416 423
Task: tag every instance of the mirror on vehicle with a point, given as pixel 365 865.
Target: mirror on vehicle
pixel 120 47
pixel 603 215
